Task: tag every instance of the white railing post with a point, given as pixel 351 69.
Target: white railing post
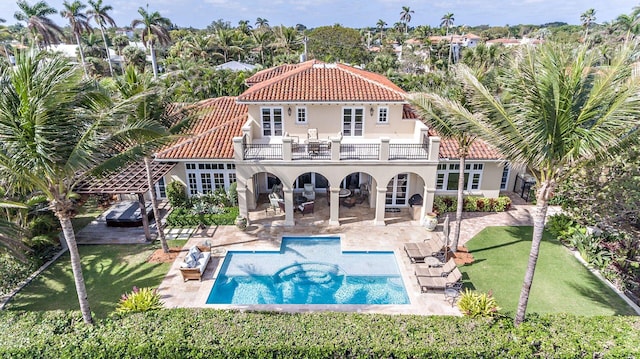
pixel 384 149
pixel 434 148
pixel 238 149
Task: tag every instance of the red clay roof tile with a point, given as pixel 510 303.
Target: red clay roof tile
pixel 217 121
pixel 318 82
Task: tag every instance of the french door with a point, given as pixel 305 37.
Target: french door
pixel 397 190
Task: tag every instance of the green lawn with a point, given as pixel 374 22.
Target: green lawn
pixel 561 283
pixel 109 271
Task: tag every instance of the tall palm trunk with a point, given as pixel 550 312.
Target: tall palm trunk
pixel 539 215
pixel 76 266
pixel 153 60
pixel 106 47
pixel 84 66
pixel 6 52
pixel 154 204
pixel 459 207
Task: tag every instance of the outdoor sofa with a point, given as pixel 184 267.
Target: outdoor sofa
pixel 195 263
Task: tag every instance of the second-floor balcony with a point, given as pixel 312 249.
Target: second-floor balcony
pixel 335 150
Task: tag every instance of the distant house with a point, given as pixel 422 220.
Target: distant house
pixel 513 42
pixel 331 127
pixel 236 66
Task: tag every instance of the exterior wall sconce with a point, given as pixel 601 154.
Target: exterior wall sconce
pixel 371 111
pixel 289 111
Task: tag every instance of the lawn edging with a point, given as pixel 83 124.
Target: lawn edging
pixel 596 272
pixel 5 299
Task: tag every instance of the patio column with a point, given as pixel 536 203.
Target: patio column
pixel 243 209
pixel 334 206
pixel 288 207
pixel 145 219
pixel 381 198
pixel 427 205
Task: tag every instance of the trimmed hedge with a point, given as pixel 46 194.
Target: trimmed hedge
pixel 181 217
pixel 443 204
pixel 206 333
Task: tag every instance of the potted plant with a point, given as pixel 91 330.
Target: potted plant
pixel 241 222
pixel 430 221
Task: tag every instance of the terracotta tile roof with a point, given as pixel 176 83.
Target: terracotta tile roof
pixel 217 121
pixel 480 150
pixel 272 72
pixel 408 113
pixel 319 82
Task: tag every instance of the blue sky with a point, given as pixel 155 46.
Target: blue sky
pixel 355 13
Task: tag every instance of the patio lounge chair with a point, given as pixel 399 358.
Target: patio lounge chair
pixel 274 200
pixel 431 271
pixel 451 281
pixel 418 252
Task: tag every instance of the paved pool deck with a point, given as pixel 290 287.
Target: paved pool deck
pixel 265 234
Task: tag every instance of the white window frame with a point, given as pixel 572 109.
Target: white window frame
pixel 383 111
pixel 350 132
pixel 269 124
pixel 392 195
pixel 214 174
pixel 473 170
pixel 161 188
pixel 301 110
pixel 504 180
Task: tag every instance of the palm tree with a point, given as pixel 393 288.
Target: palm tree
pixel 4 34
pixel 559 112
pixel 244 27
pixel 58 128
pixel 37 21
pixel 10 234
pixel 149 106
pixel 447 21
pixel 100 15
pixel 587 18
pixel 441 112
pixel 155 29
pixel 287 38
pixel 381 25
pixel 226 42
pixel 405 17
pixel 262 23
pixel 262 39
pixel 78 22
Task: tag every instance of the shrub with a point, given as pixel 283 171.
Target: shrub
pixel 206 333
pixel 182 217
pixel 139 300
pixel 443 204
pixel 475 305
pixel 233 193
pixel 559 223
pixel 177 194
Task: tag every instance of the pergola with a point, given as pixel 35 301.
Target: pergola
pixel 130 180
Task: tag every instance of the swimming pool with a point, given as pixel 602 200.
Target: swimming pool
pixel 309 270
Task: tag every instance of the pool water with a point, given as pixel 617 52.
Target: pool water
pixel 309 270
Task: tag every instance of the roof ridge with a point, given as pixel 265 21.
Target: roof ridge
pixel 302 66
pixel 347 68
